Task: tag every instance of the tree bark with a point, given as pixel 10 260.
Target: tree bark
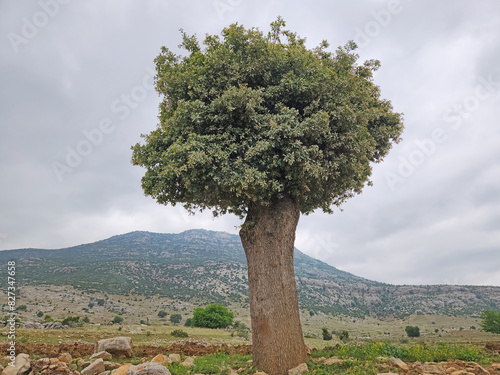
pixel 268 237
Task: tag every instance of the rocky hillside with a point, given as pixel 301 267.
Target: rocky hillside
pixel 205 266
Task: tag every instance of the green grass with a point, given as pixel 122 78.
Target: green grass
pixel 424 352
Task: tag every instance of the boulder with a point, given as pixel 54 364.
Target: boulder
pixel 94 368
pixel 396 362
pixel 299 370
pixel 148 368
pixel 162 360
pixel 116 346
pixel 122 370
pixel 188 362
pixel 65 357
pixel 104 355
pixel 333 361
pixel 175 357
pixel 431 369
pixel 111 365
pixel 22 365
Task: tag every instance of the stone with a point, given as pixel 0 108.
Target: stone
pixel 387 373
pixel 104 355
pixel 299 370
pixel 175 357
pixel 188 362
pixel 148 368
pixel 318 359
pixel 116 346
pixel 80 362
pixel 65 357
pixel 382 359
pixel 22 365
pixel 430 369
pixel 396 362
pixel 106 372
pixel 232 372
pixel 260 373
pixel 94 368
pixel 160 358
pixel 459 372
pixel 480 370
pixel 122 370
pixel 333 361
pixel 111 365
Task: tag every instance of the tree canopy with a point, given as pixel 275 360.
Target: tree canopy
pixel 252 118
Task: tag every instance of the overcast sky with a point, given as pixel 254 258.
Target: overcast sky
pixel 76 92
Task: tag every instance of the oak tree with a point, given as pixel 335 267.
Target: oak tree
pixel 260 126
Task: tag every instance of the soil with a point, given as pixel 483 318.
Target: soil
pixel 82 349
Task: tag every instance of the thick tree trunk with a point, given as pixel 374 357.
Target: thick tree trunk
pixel 268 237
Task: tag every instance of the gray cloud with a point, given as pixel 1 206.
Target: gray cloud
pixel 75 78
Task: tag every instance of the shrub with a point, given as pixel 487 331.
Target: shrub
pixel 162 314
pixel 213 316
pixel 412 331
pixel 179 333
pixel 117 320
pixel 188 322
pixel 326 335
pixel 86 320
pixel 39 314
pixel 491 321
pixel 22 308
pixel 175 318
pixel 47 318
pixel 343 335
pixel 71 321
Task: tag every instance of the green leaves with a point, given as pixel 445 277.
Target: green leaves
pixel 254 118
pixel 491 321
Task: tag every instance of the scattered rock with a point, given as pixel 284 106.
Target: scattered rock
pixel 65 357
pixel 431 369
pixel 122 370
pixel 94 368
pixel 116 346
pixel 333 361
pixel 22 364
pixel 162 360
pixel 104 355
pixel 188 362
pixel 175 357
pixel 111 365
pixel 260 373
pixel 318 359
pixel 396 362
pixel 299 370
pixel 148 368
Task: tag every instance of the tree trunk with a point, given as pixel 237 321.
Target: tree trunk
pixel 268 237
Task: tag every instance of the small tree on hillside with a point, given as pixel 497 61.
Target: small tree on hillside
pixel 491 321
pixel 162 313
pixel 262 127
pixel 213 316
pixel 175 318
pixel 412 331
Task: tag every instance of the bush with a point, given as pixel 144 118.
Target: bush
pixel 86 320
pixel 47 318
pixel 491 321
pixel 179 333
pixel 188 322
pixel 343 336
pixel 162 314
pixel 326 335
pixel 22 308
pixel 39 314
pixel 117 320
pixel 412 331
pixel 213 316
pixel 175 318
pixel 71 321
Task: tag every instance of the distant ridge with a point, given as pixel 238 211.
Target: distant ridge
pixel 207 266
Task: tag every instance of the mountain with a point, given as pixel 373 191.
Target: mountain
pixel 205 266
